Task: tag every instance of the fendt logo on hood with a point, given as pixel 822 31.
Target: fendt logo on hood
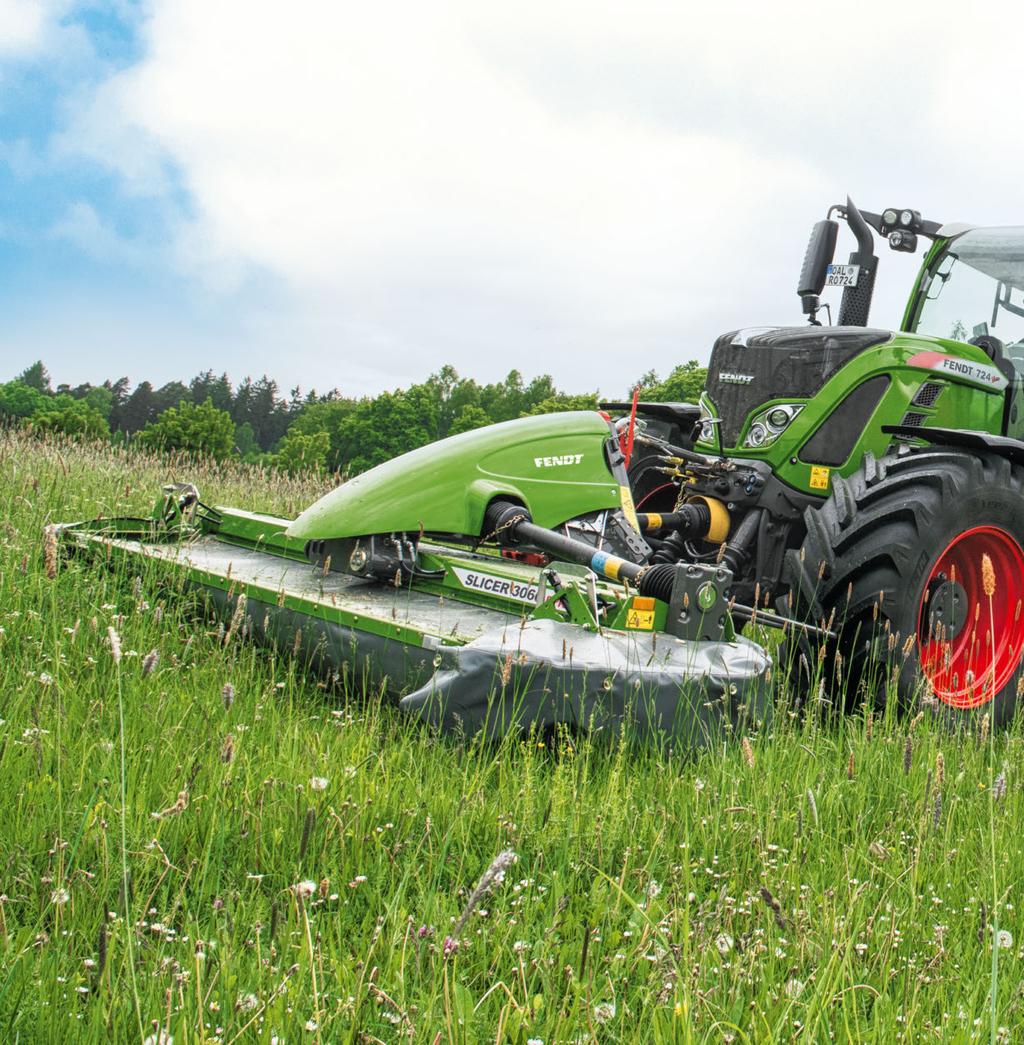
pixel 728 377
pixel 558 459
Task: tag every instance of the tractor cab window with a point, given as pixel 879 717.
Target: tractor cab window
pixel 977 287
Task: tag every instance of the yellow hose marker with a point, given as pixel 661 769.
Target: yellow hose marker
pixel 608 565
pixel 653 521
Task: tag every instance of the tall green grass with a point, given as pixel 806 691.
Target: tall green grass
pixel 282 862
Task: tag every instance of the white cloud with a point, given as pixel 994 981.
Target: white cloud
pixel 585 189
pixel 26 26
pixel 22 25
pixel 84 228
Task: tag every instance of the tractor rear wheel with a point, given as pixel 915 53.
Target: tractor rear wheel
pixel 917 563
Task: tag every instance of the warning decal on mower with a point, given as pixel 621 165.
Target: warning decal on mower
pixel 503 587
pixel 640 620
pixel 977 373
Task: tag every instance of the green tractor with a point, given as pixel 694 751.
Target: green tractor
pixel 869 480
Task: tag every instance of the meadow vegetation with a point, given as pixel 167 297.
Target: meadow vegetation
pixel 198 842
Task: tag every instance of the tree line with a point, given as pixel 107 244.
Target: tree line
pixel 256 422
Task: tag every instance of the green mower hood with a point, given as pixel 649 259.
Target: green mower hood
pixel 554 464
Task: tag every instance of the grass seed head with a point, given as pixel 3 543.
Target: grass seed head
pixel 115 644
pixel 988 575
pixel 50 551
pixel 494 875
pixel 748 752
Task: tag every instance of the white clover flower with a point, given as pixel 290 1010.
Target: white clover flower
pixel 61 896
pixel 318 783
pixel 1004 938
pixel 724 943
pixel 604 1011
pixel 304 889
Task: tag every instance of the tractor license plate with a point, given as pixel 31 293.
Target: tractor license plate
pixel 842 275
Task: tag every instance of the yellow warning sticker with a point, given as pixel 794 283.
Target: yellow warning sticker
pixel 640 620
pixel 819 477
pixel 626 500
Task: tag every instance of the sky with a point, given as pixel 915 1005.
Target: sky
pixel 352 195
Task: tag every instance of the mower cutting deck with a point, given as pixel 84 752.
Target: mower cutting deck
pixel 472 642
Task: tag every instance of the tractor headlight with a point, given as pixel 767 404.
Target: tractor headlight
pixel 889 217
pixel 707 423
pixel 768 425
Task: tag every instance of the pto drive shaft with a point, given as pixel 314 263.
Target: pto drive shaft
pixel 511 525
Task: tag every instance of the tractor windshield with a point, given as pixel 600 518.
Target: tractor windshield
pixel 977 287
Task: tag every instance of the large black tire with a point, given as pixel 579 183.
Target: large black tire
pixel 893 560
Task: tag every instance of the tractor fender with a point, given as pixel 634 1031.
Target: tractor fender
pixel 963 439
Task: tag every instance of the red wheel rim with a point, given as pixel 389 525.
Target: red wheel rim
pixel 965 666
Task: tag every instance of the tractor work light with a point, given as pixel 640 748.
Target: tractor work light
pixel 902 239
pixel 889 217
pixel 769 424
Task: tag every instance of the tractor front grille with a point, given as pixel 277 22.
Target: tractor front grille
pixel 751 367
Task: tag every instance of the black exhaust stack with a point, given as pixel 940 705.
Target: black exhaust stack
pixel 856 304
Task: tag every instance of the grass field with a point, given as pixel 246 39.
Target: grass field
pixel 197 842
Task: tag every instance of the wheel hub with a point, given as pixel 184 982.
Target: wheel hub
pixel 947 609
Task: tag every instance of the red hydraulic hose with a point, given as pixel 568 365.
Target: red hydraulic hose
pixel 628 451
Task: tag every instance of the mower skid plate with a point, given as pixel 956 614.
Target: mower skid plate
pixel 544 673
pixel 457 665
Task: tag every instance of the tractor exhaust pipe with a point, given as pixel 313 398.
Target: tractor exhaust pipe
pixel 856 304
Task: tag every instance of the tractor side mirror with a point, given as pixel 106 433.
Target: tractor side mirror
pixel 820 251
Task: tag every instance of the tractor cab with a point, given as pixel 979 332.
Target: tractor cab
pixel 971 289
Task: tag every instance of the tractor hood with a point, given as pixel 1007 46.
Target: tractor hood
pixel 753 366
pixel 554 464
